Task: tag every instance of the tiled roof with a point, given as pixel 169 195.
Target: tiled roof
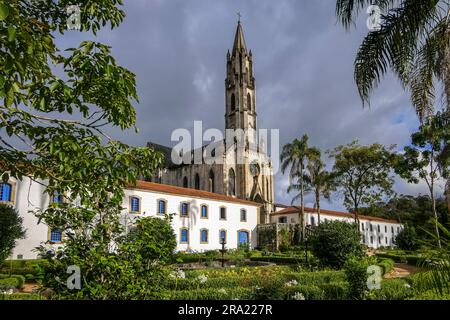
pixel 296 209
pixel 164 188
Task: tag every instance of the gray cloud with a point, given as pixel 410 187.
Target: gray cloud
pixel 303 63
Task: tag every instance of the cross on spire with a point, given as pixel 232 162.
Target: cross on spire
pixel 239 16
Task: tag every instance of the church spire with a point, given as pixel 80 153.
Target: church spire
pixel 239 41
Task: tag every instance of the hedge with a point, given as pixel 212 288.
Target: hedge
pixel 407 258
pixel 21 296
pixel 212 294
pixel 279 259
pixel 10 282
pixel 386 265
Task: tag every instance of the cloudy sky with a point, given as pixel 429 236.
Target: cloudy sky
pixel 303 64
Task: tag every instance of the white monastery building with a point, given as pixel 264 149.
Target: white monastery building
pixel 209 201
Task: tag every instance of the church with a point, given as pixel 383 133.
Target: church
pixel 217 202
pixel 246 170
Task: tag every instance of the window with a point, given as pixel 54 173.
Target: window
pixel 243 237
pixel 313 221
pixel 362 226
pixel 371 228
pixel 249 101
pixel 371 239
pixel 135 204
pixel 282 220
pixel 398 229
pixel 161 206
pixel 184 209
pixel 233 102
pixel 223 213
pixel 185 182
pixel 19 256
pixel 5 192
pixel 386 240
pixel 57 197
pixel 55 236
pixel 184 235
pixel 211 181
pixel 392 229
pixel 197 182
pixel 364 239
pixel 231 182
pixel 204 211
pixel 222 236
pixel 379 240
pixel 243 215
pixel 378 228
pixel 385 228
pixel 204 236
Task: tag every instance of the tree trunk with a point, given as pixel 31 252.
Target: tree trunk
pixel 447 194
pixel 318 208
pixel 433 200
pixel 302 205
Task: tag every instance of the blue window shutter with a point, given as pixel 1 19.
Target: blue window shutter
pixel 5 192
pixel 184 235
pixel 204 211
pixel 204 236
pixel 134 204
pixel 162 207
pixel 55 236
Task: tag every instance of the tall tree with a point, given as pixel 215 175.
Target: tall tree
pixel 420 161
pixel 295 155
pixel 11 230
pixel 52 124
pixel 362 174
pixel 412 39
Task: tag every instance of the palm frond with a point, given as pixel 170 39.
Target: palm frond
pixel 348 10
pixel 394 45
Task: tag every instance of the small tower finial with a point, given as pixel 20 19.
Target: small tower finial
pixel 239 16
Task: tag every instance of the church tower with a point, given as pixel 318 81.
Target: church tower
pixel 240 90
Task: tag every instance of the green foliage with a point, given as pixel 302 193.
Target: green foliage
pixel 21 296
pixel 212 294
pixel 11 282
pixel 155 238
pixel 76 158
pixel 10 230
pixel 407 239
pixel 362 173
pixel 356 275
pixel 386 265
pixel 392 289
pixel 333 242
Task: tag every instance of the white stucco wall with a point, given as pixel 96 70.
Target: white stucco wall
pixel 28 195
pixel 194 222
pixel 373 239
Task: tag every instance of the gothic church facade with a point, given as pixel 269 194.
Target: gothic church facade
pixel 245 171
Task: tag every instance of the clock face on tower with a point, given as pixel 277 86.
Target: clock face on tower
pixel 254 169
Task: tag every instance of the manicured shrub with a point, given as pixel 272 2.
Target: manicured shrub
pixel 334 242
pixel 430 295
pixel 21 280
pixel 356 275
pixel 392 289
pixel 407 239
pixel 156 238
pixel 12 282
pixel 11 230
pixel 279 260
pixel 386 265
pixel 212 294
pixel 21 296
pixel 316 278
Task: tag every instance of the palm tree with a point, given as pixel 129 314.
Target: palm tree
pixel 294 155
pixel 320 182
pixel 413 41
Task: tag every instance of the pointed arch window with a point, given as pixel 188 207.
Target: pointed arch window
pixel 185 182
pixel 197 182
pixel 233 102
pixel 249 101
pixel 231 182
pixel 211 181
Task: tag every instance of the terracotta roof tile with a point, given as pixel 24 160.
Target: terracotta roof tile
pixel 296 209
pixel 164 188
